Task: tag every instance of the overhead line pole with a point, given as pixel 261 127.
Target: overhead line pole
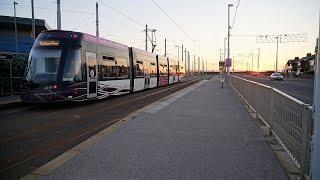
pixel 251 63
pixel 58 15
pixel 97 19
pixel 258 62
pixel 277 54
pixel 16 36
pixel 182 52
pixel 33 31
pixel 165 46
pixel 146 37
pixel 229 5
pixel 185 61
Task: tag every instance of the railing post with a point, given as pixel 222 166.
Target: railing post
pixel 305 139
pixel 257 100
pixel 271 111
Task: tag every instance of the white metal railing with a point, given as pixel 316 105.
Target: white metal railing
pixel 289 119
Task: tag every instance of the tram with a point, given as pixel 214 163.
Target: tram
pixel 74 66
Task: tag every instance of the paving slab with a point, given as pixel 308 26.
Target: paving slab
pixel 202 133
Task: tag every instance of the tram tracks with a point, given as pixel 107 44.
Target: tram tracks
pixel 92 123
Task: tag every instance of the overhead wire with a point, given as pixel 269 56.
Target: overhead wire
pixel 235 15
pixel 172 20
pixel 122 14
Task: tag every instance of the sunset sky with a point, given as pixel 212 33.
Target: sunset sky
pixel 203 24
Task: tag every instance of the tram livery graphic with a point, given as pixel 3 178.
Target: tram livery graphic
pixel 74 66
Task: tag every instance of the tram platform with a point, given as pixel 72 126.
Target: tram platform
pixel 202 132
pixel 9 100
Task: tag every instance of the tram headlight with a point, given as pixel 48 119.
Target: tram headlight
pixel 54 87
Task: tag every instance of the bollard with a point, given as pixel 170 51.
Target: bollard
pixel 222 81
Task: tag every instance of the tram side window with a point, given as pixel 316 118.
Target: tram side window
pixel 153 71
pixel 108 68
pixel 163 69
pixel 170 70
pixel 123 69
pixel 139 68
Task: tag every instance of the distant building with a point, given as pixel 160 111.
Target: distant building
pixel 24 28
pixel 301 66
pixel 8 49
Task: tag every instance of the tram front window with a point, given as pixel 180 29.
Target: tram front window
pixel 72 68
pixel 43 65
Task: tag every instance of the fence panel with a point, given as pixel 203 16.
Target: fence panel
pixel 288 118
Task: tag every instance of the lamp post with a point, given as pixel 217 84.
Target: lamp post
pixel 16 35
pixel 229 27
pixel 178 50
pixel 258 62
pixel 33 32
pixel 15 25
pixel 58 15
pixel 277 54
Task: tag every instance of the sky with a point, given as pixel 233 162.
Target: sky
pixel 200 25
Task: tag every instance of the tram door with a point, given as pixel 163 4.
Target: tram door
pixel 92 74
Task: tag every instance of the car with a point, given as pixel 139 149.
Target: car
pixel 276 76
pixel 255 74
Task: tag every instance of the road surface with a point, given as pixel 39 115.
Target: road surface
pixel 301 89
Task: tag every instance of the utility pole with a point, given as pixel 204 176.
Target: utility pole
pixel 220 54
pixel 178 51
pixel 224 49
pixel 206 66
pixel 97 19
pixel 182 52
pixel 188 62
pixel 146 37
pixel 316 110
pixel 165 46
pixel 258 62
pixel 186 59
pixel 58 15
pixel 15 25
pixel 202 67
pixel 198 65
pixel 16 34
pixel 33 32
pixel 229 5
pixel 252 63
pixel 194 63
pixel 233 64
pixel 277 54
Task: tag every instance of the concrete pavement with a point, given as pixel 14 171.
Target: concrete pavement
pixel 9 100
pixel 199 133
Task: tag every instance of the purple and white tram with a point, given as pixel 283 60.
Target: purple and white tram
pixel 74 66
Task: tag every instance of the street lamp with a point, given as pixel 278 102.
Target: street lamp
pixel 258 62
pixel 277 54
pixel 229 27
pixel 16 34
pixel 178 50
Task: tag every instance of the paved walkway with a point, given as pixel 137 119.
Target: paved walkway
pixel 5 100
pixel 202 133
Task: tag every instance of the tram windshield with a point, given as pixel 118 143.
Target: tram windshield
pixel 72 67
pixel 43 65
